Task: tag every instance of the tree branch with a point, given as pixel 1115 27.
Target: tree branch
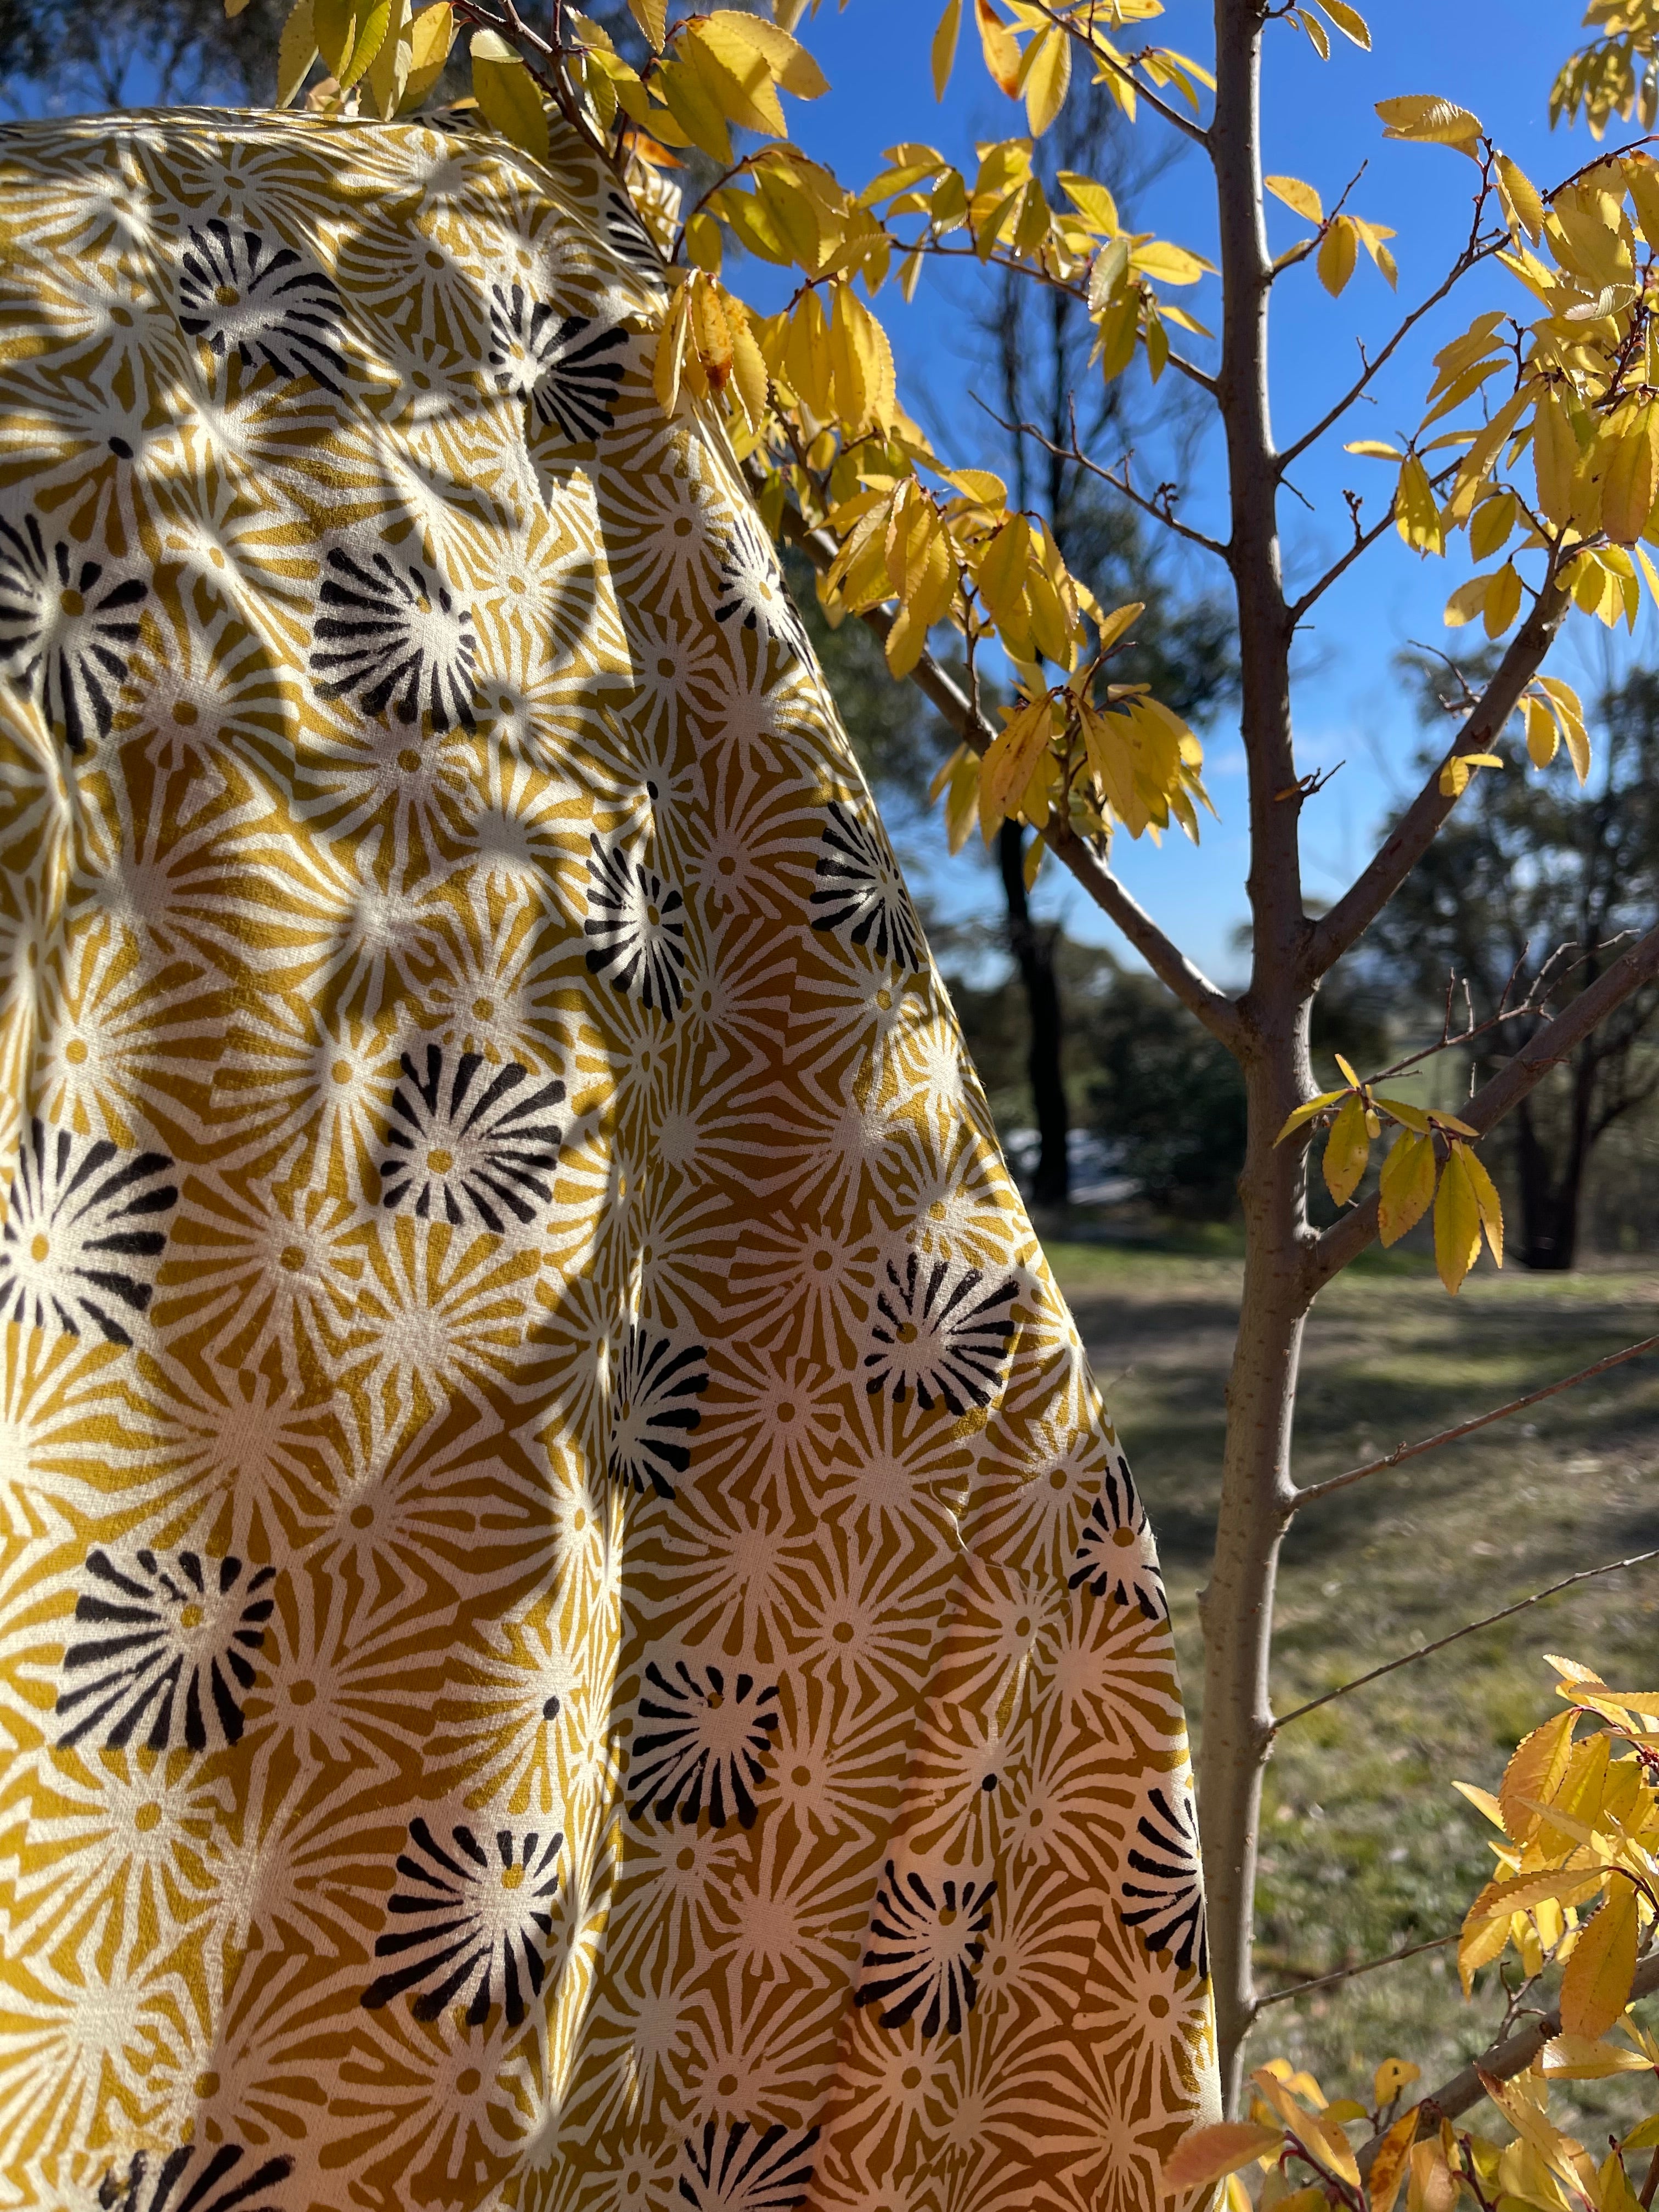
pixel 940 688
pixel 1328 1254
pixel 1316 1491
pixel 1347 1973
pixel 1416 828
pixel 1075 454
pixel 1471 256
pixel 1503 2061
pixel 1469 1628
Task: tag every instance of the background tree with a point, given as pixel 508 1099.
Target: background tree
pixel 1554 466
pixel 1524 899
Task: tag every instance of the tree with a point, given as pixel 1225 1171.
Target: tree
pixel 1553 466
pixel 1522 899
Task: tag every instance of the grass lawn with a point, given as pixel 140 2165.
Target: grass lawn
pixel 1366 1846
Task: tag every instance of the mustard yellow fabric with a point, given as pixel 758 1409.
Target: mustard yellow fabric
pixel 574 1631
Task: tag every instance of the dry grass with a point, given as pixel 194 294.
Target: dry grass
pixel 1367 1847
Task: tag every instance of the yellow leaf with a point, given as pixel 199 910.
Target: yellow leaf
pixel 1430 121
pixel 1555 458
pixel 1534 1772
pixel 694 108
pixel 1113 626
pixel 1542 736
pixel 1349 21
pixel 1457 1224
pixel 734 74
pixel 1417 516
pixel 652 16
pixel 1492 522
pixel 1001 577
pixel 945 46
pixel 1503 599
pixel 1209 2155
pixel 1091 200
pixel 1295 194
pixel 1047 74
pixel 788 62
pixel 387 74
pixel 1631 482
pixel 702 243
pixel 334 23
pixel 295 53
pixel 1521 197
pixel 1406 1186
pixel 669 364
pixel 1338 251
pixel 1393 2075
pixel 1596 1986
pixel 1486 1196
pixel 749 376
pixel 1000 45
pixel 431 35
pixel 1347 1148
pixel 1009 762
pixel 1466 602
pixel 1393 2158
pixel 508 97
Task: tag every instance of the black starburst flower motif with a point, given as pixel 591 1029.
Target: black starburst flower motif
pixel 1166 1903
pixel 65 630
pixel 859 883
pixel 168 1637
pixel 1109 1556
pixel 565 366
pixel 626 236
pixel 751 589
pixel 240 294
pixel 740 2168
pixel 82 1232
pixel 393 636
pixel 472 1143
pixel 942 1330
pixel 703 1742
pixel 469 1919
pixel 196 2177
pixel 652 1389
pixel 926 1942
pixel 635 926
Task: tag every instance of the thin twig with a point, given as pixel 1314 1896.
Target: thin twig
pixel 1470 1628
pixel 1120 483
pixel 1347 1973
pixel 1472 255
pixel 1171 114
pixel 1316 1491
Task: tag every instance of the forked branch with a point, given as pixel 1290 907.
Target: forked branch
pixel 940 689
pixel 1501 2062
pixel 1416 828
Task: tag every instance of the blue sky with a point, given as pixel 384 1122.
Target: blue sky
pixel 1350 704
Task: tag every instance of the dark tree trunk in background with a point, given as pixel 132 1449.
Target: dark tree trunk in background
pixel 1033 947
pixel 1549 1202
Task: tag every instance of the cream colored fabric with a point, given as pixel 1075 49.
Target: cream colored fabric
pixel 575 1631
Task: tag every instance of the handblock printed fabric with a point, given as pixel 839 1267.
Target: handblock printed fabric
pixel 573 1630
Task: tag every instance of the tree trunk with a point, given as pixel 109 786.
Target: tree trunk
pixel 1255 1480
pixel 1033 948
pixel 1549 1208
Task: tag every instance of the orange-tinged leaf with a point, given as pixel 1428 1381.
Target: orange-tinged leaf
pixel 1393 2158
pixel 1596 1985
pixel 945 46
pixel 1209 2155
pixel 1534 1770
pixel 1001 48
